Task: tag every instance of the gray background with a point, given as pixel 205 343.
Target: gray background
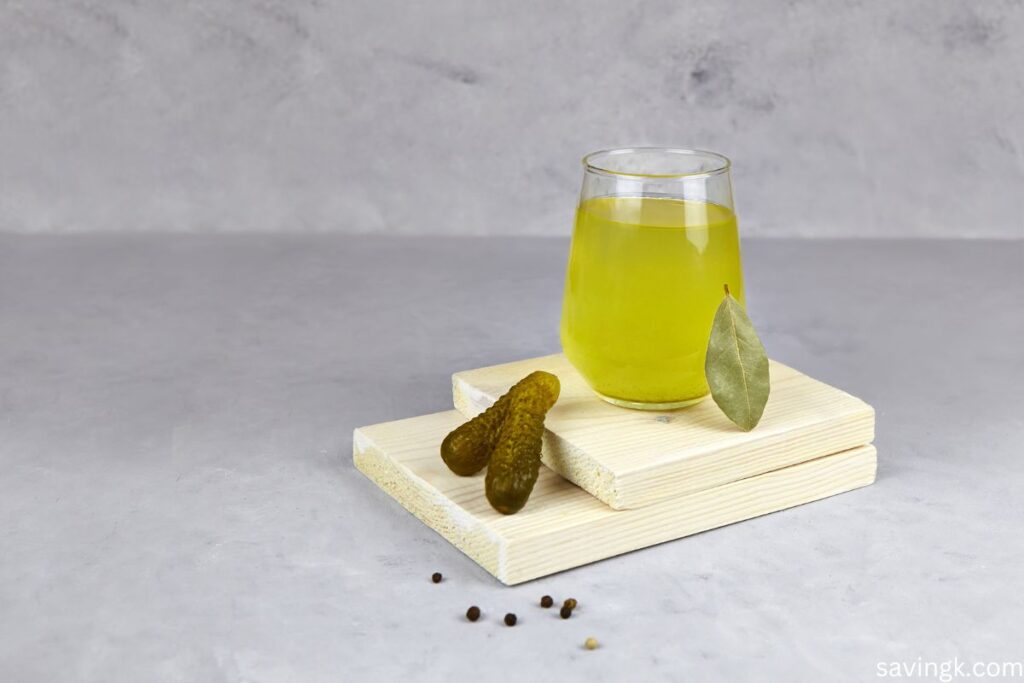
pixel 178 501
pixel 844 118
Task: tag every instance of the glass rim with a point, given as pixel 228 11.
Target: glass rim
pixel 590 166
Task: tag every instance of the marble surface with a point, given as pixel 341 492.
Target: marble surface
pixel 178 502
pixel 843 117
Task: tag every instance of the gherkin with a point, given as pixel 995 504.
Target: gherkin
pixel 467 449
pixel 515 461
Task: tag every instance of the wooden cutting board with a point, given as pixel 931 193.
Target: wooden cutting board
pixel 563 526
pixel 631 459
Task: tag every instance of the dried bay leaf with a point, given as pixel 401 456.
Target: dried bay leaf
pixel 736 366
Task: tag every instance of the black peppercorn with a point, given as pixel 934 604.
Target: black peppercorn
pixel 473 613
pixel 436 578
pixel 565 612
pixel 510 619
pixel 546 601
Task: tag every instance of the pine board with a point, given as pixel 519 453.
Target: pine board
pixel 563 526
pixel 631 459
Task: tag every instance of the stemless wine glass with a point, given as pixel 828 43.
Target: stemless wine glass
pixel 654 243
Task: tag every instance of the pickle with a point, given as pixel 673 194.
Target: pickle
pixel 515 461
pixel 467 449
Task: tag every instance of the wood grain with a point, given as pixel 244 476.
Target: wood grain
pixel 562 526
pixel 631 458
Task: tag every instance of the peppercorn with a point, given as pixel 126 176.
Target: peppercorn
pixel 546 601
pixel 590 643
pixel 570 603
pixel 566 612
pixel 436 578
pixel 510 619
pixel 473 613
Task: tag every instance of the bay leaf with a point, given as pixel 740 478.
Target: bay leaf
pixel 736 366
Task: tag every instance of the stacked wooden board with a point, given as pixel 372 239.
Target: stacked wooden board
pixel 618 480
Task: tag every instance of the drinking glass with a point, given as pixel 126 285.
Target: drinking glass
pixel 655 240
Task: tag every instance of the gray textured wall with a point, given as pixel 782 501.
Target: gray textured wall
pixel 843 117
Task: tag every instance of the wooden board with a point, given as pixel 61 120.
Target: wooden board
pixel 632 458
pixel 562 526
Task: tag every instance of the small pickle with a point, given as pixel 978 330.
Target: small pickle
pixel 515 462
pixel 467 449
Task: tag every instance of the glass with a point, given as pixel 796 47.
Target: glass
pixel 655 239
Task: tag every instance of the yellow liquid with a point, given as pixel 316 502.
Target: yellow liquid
pixel 644 280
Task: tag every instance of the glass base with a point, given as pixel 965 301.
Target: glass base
pixel 639 405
